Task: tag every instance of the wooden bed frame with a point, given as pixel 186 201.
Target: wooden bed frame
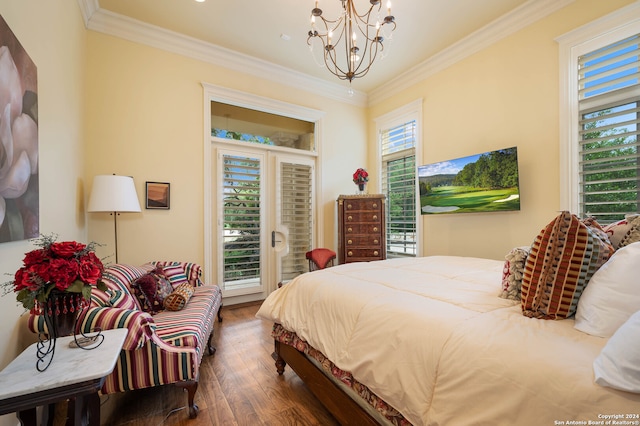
pixel 340 405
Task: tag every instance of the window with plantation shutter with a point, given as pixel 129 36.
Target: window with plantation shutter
pixel 241 195
pixel 398 165
pixel 296 216
pixel 609 97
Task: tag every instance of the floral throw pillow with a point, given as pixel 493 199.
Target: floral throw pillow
pixel 512 273
pixel 625 231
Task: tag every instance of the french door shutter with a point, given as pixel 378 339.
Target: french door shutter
pixel 609 104
pixel 241 215
pixel 296 216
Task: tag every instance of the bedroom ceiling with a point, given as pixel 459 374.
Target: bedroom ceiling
pixel 258 28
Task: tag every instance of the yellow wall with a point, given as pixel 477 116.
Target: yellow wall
pixel 53 35
pixel 505 95
pixel 145 119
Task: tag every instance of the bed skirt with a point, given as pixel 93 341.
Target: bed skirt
pixel 368 400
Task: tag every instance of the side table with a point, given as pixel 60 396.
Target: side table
pixel 75 374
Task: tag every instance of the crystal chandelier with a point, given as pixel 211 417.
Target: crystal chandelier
pixel 361 35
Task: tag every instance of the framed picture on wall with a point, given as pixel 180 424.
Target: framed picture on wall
pixel 19 198
pixel 158 195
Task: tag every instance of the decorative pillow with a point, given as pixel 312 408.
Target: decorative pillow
pixel 513 272
pixel 164 286
pixel 191 270
pixel 179 297
pixel 175 274
pixel 562 259
pixel 625 231
pixel 118 278
pixel 598 230
pixel 613 294
pixel 151 290
pixel 618 365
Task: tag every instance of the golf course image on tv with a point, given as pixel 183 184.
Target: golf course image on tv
pixel 486 182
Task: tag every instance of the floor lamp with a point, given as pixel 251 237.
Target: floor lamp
pixel 114 194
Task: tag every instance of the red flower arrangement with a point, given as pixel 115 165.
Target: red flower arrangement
pixel 66 266
pixel 360 176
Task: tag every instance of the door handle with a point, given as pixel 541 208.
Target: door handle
pixel 280 245
pixel 273 239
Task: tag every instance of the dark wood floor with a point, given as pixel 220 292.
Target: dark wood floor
pixel 238 386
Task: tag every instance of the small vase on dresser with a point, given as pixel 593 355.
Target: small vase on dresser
pixel 361 228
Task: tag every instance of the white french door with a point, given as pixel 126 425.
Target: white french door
pixel 294 216
pixel 264 217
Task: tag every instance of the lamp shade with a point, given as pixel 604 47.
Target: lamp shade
pixel 112 193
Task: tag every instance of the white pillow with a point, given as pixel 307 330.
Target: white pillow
pixel 618 365
pixel 612 294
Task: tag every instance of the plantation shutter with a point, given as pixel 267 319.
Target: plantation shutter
pixel 241 212
pixel 296 215
pixel 399 186
pixel 609 106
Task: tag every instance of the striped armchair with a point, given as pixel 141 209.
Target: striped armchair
pixel 164 348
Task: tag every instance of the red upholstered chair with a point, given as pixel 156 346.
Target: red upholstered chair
pixel 320 258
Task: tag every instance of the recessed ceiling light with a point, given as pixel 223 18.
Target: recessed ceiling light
pixel 200 1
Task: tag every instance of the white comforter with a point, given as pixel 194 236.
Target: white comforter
pixel 432 338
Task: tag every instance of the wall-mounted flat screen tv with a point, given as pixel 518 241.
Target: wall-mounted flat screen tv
pixel 486 182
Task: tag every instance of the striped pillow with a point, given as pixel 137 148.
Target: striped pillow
pixel 563 257
pixel 193 271
pixel 175 274
pixel 118 278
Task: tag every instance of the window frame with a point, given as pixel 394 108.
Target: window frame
pixel 397 117
pixel 616 26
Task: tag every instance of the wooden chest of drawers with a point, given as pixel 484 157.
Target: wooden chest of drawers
pixel 361 232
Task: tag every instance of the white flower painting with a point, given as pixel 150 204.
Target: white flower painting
pixel 19 200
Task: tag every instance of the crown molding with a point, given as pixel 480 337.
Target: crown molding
pixel 117 25
pixel 517 19
pixel 88 8
pixel 106 22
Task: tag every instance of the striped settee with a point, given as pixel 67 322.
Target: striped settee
pixel 165 348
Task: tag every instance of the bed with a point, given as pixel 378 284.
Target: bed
pixel 427 341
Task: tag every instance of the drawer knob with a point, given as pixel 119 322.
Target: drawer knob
pixel 375 241
pixel 375 205
pixel 349 218
pixel 375 229
pixel 349 229
pixel 375 217
pixel 349 242
pixel 348 206
pixel 375 253
pixel 349 253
